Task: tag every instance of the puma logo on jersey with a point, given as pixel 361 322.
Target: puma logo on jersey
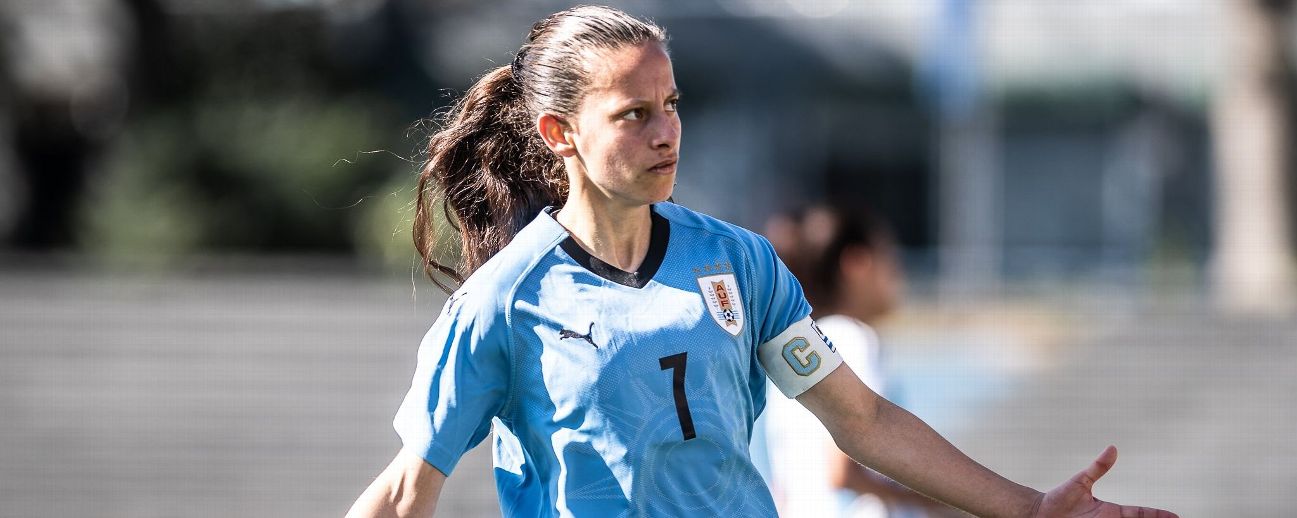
pixel 564 334
pixel 454 297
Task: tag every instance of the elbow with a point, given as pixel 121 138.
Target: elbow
pixel 382 499
pixel 858 419
pixel 408 487
pixel 854 427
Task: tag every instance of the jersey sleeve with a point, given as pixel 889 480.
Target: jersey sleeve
pixel 792 350
pixel 460 383
pixel 859 347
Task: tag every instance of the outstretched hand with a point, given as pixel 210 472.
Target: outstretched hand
pixel 1074 498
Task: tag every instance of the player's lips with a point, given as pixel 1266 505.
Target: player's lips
pixel 665 166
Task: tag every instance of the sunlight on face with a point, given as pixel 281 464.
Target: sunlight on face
pixel 627 131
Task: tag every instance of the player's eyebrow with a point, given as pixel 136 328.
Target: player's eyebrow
pixel 675 93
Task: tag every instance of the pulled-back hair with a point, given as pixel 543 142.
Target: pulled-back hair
pixel 487 162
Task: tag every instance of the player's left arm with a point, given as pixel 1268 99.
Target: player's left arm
pixel 883 436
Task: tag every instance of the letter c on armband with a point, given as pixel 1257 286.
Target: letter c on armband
pixel 795 354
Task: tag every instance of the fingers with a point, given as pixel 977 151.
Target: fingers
pixel 1130 511
pixel 1087 477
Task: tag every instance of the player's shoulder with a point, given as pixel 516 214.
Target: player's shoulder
pixel 490 289
pixel 690 219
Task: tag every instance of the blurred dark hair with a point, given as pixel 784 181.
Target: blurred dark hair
pixel 820 235
pixel 487 161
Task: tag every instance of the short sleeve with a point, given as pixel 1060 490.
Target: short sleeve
pixel 859 347
pixel 460 383
pixel 778 296
pixel 792 350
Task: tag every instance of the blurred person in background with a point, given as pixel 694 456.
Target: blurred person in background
pixel 573 329
pixel 847 263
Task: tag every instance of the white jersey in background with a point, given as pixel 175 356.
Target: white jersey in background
pixel 799 449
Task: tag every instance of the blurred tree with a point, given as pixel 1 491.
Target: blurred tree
pixel 60 72
pixel 1252 263
pixel 272 173
pixel 250 134
pixel 383 234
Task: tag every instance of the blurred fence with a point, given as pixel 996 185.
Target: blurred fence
pixel 246 395
pixel 271 394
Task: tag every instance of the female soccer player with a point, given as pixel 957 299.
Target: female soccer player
pixel 846 262
pixel 619 345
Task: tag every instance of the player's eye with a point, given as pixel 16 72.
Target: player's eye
pixel 673 105
pixel 634 115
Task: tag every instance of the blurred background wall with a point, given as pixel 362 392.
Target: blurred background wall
pixel 210 308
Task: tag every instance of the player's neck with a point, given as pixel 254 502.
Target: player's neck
pixel 617 235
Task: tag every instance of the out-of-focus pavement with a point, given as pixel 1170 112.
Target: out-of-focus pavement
pixel 1201 407
pixel 271 394
pixel 249 395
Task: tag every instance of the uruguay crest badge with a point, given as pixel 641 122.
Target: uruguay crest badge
pixel 723 301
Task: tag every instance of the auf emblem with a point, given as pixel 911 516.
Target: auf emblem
pixel 724 303
pixel 727 308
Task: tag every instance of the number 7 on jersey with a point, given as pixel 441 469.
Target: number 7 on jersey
pixel 676 363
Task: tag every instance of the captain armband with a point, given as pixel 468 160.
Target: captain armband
pixel 798 358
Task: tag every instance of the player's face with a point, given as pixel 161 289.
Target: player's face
pixel 872 279
pixel 889 277
pixel 627 132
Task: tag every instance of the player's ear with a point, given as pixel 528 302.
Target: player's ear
pixel 557 134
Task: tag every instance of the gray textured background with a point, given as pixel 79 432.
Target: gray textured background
pixel 271 394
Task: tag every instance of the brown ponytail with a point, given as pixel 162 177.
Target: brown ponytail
pixel 493 171
pixel 487 163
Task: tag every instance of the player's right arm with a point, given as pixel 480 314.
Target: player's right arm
pixel 408 487
pixel 460 382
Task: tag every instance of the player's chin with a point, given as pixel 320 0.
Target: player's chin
pixel 654 188
pixel 663 191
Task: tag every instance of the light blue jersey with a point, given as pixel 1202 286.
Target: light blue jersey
pixel 616 393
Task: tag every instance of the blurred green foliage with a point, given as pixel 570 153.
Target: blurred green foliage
pixel 290 173
pixel 384 232
pixel 282 133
